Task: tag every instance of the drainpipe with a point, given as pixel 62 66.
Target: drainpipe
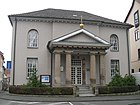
pixel 14 51
pixel 51 51
pixel 128 50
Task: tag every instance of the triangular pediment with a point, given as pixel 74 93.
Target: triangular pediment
pixel 81 35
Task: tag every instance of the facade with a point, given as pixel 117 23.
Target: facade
pixel 51 42
pixel 1 69
pixel 134 35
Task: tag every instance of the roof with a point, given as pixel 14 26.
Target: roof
pixel 131 9
pixel 66 14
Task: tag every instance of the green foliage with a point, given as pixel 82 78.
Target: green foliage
pixel 129 80
pixel 117 89
pixel 20 89
pixel 33 80
pixel 118 80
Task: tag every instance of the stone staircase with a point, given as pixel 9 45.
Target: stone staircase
pixel 85 91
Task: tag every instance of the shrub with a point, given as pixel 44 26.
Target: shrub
pixel 128 80
pixel 117 89
pixel 117 80
pixel 41 90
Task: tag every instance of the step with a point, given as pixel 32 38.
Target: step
pixel 86 95
pixel 85 91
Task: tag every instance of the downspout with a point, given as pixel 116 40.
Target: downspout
pixel 48 46
pixel 51 67
pixel 14 51
pixel 128 50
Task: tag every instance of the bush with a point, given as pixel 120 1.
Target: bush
pixel 128 80
pixel 117 89
pixel 22 89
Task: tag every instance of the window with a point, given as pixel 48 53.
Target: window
pixel 136 19
pixel 137 35
pixel 132 70
pixel 114 43
pixel 139 54
pixel 139 69
pixel 115 69
pixel 33 38
pixel 32 64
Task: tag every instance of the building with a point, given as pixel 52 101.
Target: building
pixel 134 35
pixel 1 69
pixel 52 42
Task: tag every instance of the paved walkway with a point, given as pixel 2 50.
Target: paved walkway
pixel 52 98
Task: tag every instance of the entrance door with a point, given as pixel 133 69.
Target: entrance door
pixel 76 72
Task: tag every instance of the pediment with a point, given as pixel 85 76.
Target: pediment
pixel 80 36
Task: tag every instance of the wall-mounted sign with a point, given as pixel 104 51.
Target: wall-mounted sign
pixel 45 78
pixel 9 65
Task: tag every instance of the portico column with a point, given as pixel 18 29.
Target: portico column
pixel 102 69
pixel 92 69
pixel 68 68
pixel 57 69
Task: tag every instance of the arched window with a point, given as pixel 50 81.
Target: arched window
pixel 114 42
pixel 33 38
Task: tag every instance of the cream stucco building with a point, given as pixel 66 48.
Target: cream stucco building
pixel 134 35
pixel 52 42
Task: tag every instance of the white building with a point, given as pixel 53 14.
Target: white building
pixel 52 42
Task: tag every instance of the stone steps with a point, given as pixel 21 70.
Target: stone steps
pixel 85 91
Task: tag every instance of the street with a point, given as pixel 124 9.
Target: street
pixel 128 102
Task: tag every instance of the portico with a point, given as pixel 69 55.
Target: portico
pixel 78 59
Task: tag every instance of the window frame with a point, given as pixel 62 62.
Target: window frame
pixel 30 64
pixel 113 64
pixel 136 19
pixel 32 45
pixel 115 47
pixel 137 35
pixel 139 54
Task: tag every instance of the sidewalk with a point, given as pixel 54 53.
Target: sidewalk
pixel 63 98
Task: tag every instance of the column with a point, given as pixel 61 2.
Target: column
pixel 102 69
pixel 57 69
pixel 68 68
pixel 92 69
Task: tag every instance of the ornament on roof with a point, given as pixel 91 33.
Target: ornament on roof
pixel 81 24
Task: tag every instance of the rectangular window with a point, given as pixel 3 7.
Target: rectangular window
pixel 115 69
pixel 137 35
pixel 136 19
pixel 32 64
pixel 132 70
pixel 139 54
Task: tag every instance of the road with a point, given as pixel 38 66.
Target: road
pixel 128 102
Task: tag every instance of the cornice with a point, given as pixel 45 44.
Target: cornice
pixel 71 21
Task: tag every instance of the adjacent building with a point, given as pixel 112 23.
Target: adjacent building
pixel 134 35
pixel 1 69
pixel 52 42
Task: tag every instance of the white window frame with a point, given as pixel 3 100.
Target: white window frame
pixel 33 38
pixel 137 35
pixel 114 42
pixel 32 64
pixel 115 67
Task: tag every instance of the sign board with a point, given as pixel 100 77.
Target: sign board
pixel 45 78
pixel 9 65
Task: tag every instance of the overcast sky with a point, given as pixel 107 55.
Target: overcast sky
pixel 112 9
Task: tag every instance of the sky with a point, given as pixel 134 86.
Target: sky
pixel 112 9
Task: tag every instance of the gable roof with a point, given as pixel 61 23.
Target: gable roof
pixel 131 9
pixel 61 41
pixel 67 14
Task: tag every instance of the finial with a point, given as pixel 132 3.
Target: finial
pixel 81 24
